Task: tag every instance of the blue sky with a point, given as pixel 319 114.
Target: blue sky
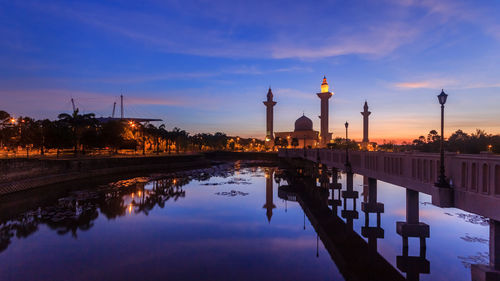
pixel 206 65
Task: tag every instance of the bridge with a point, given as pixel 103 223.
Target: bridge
pixel 355 258
pixel 474 181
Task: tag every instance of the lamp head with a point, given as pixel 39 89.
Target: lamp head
pixel 442 97
pixel 346 124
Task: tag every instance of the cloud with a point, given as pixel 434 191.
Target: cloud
pixel 233 30
pixel 256 70
pixel 58 100
pixel 248 29
pixel 436 83
pixel 141 78
pixel 378 40
pixel 413 85
pixel 455 83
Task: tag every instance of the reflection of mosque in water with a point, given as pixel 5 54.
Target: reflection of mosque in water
pixel 355 258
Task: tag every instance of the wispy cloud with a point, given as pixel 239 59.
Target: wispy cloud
pixel 426 84
pixel 446 83
pixel 59 100
pixel 317 36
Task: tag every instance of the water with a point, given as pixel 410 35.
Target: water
pixel 216 224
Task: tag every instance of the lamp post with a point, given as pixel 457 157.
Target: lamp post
pixel 347 164
pixel 143 138
pixel 442 182
pixel 133 129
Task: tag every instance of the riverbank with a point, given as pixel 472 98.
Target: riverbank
pixel 24 174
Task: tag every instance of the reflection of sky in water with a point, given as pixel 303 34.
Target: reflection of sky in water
pixel 203 236
pixel 220 231
pixel 448 251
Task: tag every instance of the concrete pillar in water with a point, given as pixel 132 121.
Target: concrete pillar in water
pixel 335 202
pixel 371 206
pixel 495 244
pixel 349 193
pixel 490 272
pixel 412 207
pixel 413 266
pixel 412 227
pixel 324 179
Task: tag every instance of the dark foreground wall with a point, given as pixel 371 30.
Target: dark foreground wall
pixel 23 174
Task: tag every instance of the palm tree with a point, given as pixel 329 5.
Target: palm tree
pixel 78 123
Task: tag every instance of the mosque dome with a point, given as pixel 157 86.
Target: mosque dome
pixel 303 124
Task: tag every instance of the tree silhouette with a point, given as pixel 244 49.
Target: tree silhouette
pixel 78 123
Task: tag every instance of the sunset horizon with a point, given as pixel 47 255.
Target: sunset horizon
pixel 250 140
pixel 218 65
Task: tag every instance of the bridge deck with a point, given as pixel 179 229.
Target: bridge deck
pixel 475 178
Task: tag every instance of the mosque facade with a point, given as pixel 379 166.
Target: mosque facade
pixel 303 134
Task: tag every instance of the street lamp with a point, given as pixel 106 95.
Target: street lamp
pixel 442 182
pixel 347 164
pixel 133 129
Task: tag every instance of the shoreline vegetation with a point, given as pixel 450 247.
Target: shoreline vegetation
pixel 83 135
pixel 79 135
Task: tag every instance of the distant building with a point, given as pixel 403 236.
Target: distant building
pixel 365 114
pixel 303 133
pixel 269 103
pixel 325 95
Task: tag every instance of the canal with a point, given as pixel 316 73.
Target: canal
pixel 221 223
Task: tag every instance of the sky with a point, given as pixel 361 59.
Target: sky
pixel 206 66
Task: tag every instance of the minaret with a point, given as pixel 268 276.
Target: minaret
pixel 269 206
pixel 269 115
pixel 324 96
pixel 365 114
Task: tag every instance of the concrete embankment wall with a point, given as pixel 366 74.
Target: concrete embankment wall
pixel 23 174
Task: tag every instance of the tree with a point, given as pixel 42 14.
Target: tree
pixel 112 134
pixel 78 123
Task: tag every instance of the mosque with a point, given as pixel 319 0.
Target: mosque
pixel 303 134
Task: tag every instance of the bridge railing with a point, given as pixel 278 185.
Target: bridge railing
pixel 477 173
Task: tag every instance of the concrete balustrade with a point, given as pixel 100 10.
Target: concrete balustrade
pixel 475 179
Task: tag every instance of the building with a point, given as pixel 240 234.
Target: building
pixel 269 103
pixel 365 113
pixel 303 133
pixel 325 95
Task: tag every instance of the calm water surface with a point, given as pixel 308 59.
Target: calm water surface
pixel 224 223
